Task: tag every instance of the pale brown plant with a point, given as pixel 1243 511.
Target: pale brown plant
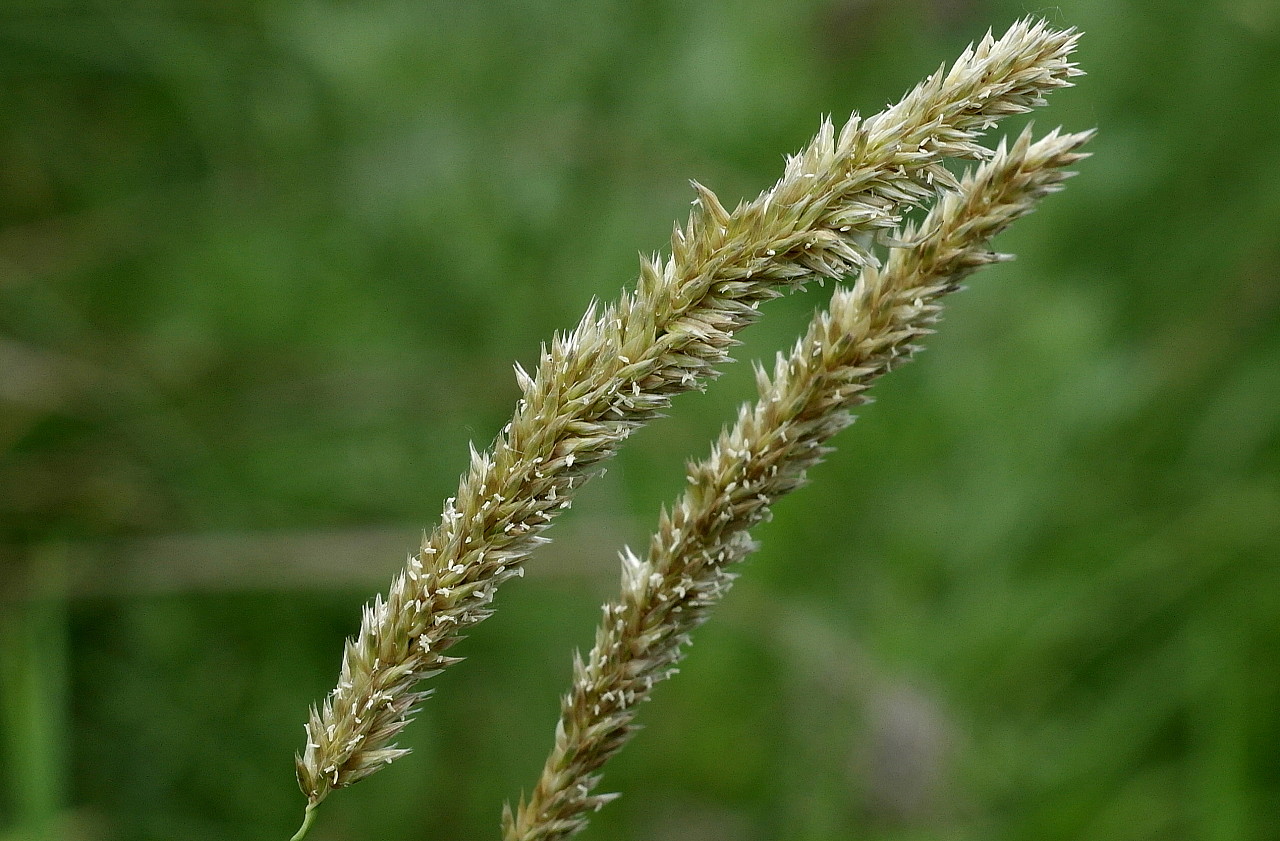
pixel 867 330
pixel 623 363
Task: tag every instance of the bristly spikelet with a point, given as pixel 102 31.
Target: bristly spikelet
pixel 868 330
pixel 623 363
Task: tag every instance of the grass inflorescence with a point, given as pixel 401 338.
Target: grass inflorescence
pixel 845 192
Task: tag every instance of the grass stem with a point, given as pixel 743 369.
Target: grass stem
pixel 307 817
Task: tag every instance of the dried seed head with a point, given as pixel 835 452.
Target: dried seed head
pixel 867 331
pixel 623 363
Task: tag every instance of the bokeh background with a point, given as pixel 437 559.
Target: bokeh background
pixel 265 266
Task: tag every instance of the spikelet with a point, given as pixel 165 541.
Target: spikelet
pixel 868 330
pixel 623 363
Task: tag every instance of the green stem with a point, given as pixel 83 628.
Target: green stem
pixel 33 698
pixel 307 818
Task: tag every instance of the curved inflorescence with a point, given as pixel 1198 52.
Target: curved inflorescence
pixel 867 330
pixel 623 363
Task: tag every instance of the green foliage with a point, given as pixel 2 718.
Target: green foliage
pixel 263 270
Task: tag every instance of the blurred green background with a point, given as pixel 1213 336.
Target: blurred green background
pixel 264 268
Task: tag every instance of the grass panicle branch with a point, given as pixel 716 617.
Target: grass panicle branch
pixel 867 330
pixel 623 364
